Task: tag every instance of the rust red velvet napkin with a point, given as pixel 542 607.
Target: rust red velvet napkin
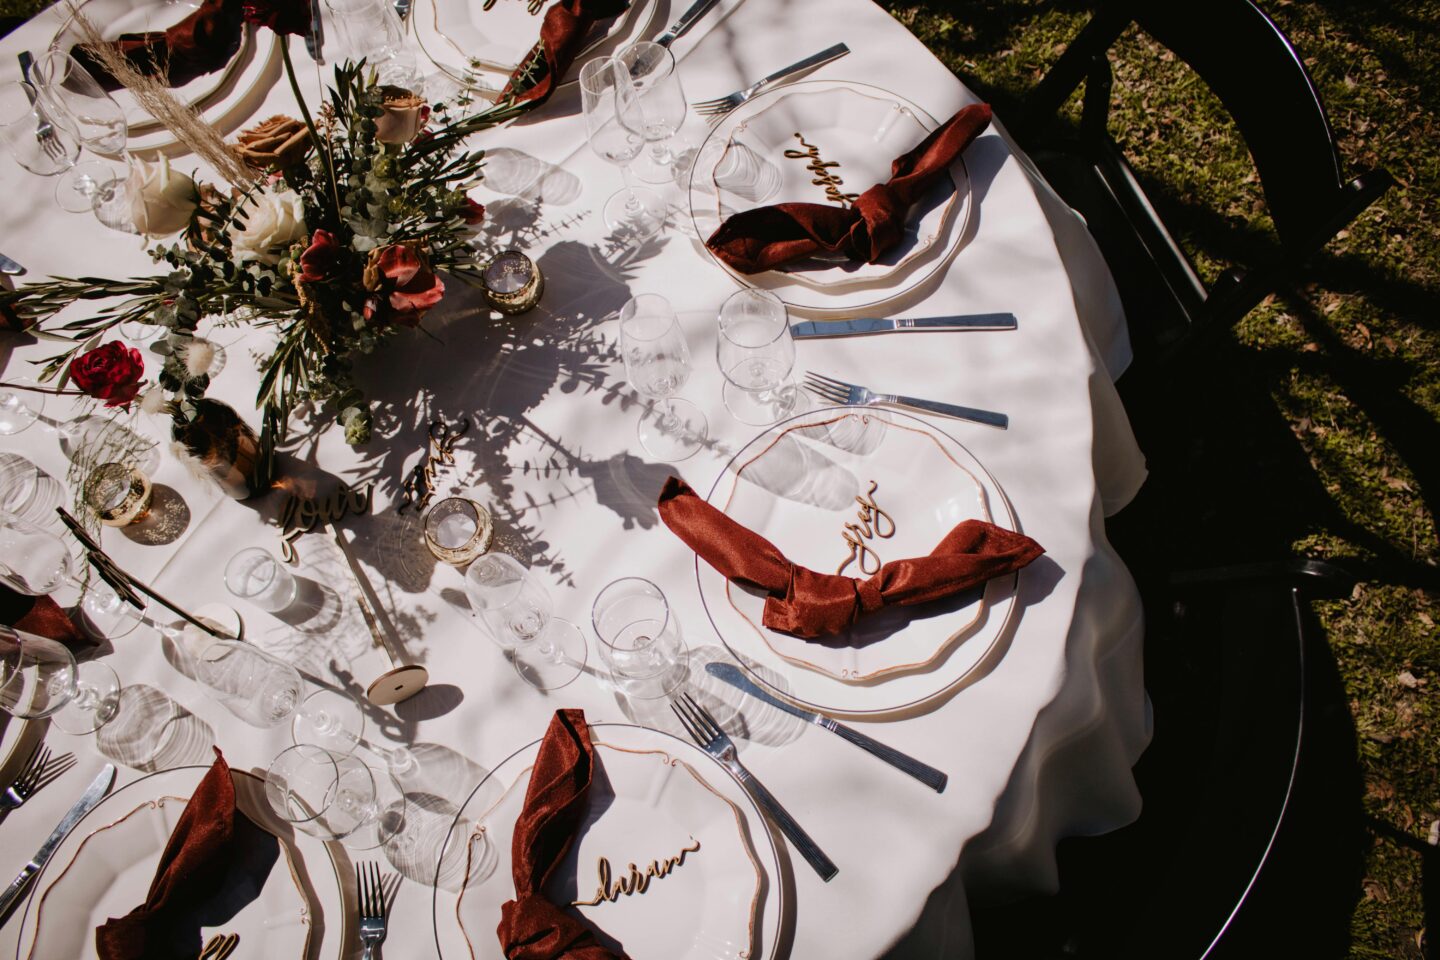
pixel 532 927
pixel 41 616
pixel 194 862
pixel 766 237
pixel 201 43
pixel 809 604
pixel 562 34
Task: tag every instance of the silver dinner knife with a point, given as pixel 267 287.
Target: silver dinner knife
pixel 93 795
pixel 686 21
pixel 816 329
pixel 926 774
pixel 10 266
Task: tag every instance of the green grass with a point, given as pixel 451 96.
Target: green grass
pixel 1336 383
pixel 1327 432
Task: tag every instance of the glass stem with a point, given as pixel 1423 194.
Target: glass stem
pixel 632 202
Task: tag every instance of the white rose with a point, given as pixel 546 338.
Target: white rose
pixel 161 200
pixel 272 219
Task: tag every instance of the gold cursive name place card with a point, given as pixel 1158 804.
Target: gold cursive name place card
pixel 822 170
pixel 419 487
pixel 303 514
pixel 871 522
pixel 634 880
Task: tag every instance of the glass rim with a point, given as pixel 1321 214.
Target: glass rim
pixel 23 101
pixel 330 792
pixel 595 610
pixel 668 57
pixel 587 75
pixel 627 315
pixel 782 327
pixel 231 573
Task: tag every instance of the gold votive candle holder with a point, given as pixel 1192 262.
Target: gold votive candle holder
pixel 457 530
pixel 513 282
pixel 118 494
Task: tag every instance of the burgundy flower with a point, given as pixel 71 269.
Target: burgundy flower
pixel 320 259
pixel 472 213
pixel 404 285
pixel 282 16
pixel 111 372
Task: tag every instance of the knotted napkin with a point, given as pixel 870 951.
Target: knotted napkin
pixel 192 866
pixel 532 927
pixel 201 43
pixel 562 34
pixel 766 237
pixel 809 604
pixel 41 616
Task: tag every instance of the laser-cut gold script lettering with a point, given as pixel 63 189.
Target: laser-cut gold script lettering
pixel 873 522
pixel 419 487
pixel 634 880
pixel 821 168
pixel 300 515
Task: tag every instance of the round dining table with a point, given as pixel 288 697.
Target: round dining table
pixel 1038 741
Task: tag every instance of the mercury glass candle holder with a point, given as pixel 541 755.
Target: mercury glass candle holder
pixel 513 282
pixel 118 494
pixel 458 530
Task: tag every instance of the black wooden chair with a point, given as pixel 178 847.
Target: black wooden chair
pixel 1261 80
pixel 1249 843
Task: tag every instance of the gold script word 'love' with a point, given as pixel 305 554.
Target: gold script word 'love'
pixel 634 880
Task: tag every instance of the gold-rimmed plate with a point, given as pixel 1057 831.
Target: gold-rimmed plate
pixel 842 490
pixel 284 896
pixel 656 800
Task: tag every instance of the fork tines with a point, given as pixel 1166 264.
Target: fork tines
pixel 370 890
pixel 33 770
pixel 828 388
pixel 696 720
pixel 717 107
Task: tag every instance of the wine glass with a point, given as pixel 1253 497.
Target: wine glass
pixel 255 686
pixel 653 106
pixel 36 562
pixel 520 615
pixel 639 638
pixel 321 792
pixel 634 214
pixel 72 96
pixel 38 145
pixel 330 719
pixel 19 408
pixel 371 29
pixel 254 574
pixel 40 678
pixel 657 364
pixel 756 354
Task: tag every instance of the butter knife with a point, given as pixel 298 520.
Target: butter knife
pixel 10 266
pixel 926 774
pixel 687 20
pixel 816 329
pixel 93 795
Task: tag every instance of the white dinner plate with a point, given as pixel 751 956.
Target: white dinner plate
pixel 797 484
pixel 655 800
pixel 482 47
pixel 287 902
pixel 764 153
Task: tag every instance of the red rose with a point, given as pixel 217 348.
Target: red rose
pixel 404 283
pixel 111 372
pixel 320 259
pixel 282 16
pixel 472 213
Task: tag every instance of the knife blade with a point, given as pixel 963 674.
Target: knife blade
pixel 816 329
pixel 9 266
pixel 315 39
pixel 687 20
pixel 93 795
pixel 926 774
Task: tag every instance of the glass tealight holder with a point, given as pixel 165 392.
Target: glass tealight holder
pixel 458 530
pixel 513 282
pixel 118 494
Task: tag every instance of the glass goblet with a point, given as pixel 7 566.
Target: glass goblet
pixel 633 214
pixel 323 793
pixel 756 353
pixel 657 364
pixel 653 106
pixel 639 638
pixel 33 560
pixel 258 688
pixel 517 609
pixel 40 678
pixel 76 101
pixel 19 408
pixel 40 146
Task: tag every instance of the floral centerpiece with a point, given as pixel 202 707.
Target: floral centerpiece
pixel 343 236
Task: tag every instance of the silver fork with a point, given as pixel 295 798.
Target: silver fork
pixel 840 392
pixel 371 893
pixel 714 109
pixel 44 131
pixel 38 771
pixel 715 741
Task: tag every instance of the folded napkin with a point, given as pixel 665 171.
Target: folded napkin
pixel 766 237
pixel 41 616
pixel 193 865
pixel 809 604
pixel 562 34
pixel 531 927
pixel 201 43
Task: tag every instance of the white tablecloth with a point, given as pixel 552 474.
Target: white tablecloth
pixel 1039 747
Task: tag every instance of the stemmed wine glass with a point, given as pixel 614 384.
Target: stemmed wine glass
pixel 756 354
pixel 36 144
pixel 335 797
pixel 653 106
pixel 40 678
pixel 657 364
pixel 633 213
pixel 19 408
pixel 639 639
pixel 71 95
pixel 36 562
pixel 549 652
